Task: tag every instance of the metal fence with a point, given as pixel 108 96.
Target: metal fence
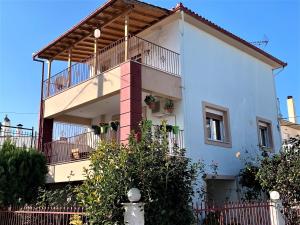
pixel 139 50
pixel 20 136
pixel 78 147
pixel 234 213
pixel 31 215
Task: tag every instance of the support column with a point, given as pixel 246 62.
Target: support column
pixel 126 36
pixel 130 99
pixel 49 76
pixel 70 68
pixel 95 56
pixel 47 131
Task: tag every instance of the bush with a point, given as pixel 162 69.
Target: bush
pixel 22 172
pixel 166 182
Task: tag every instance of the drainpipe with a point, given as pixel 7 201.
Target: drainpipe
pixel 41 119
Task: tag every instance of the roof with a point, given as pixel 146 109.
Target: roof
pixel 6 119
pixel 286 123
pixel 109 18
pixel 201 19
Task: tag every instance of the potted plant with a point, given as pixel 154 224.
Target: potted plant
pixel 175 129
pixel 169 106
pixel 150 101
pixel 115 125
pixel 104 128
pixel 96 129
pixel 169 128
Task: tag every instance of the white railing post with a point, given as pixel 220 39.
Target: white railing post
pixel 276 216
pixel 134 211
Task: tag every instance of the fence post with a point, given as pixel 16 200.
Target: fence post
pixel 134 211
pixel 276 215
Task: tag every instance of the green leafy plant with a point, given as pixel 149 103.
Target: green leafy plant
pixel 22 172
pixel 76 220
pixel 96 129
pixel 166 182
pixel 169 105
pixel 115 125
pixel 150 101
pixel 104 128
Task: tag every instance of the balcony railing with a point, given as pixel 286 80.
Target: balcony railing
pixel 80 147
pixel 76 148
pixel 139 50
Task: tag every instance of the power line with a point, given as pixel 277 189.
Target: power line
pixel 22 113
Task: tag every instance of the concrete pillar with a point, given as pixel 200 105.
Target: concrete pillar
pixel 291 109
pixel 130 99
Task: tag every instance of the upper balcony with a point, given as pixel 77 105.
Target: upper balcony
pixel 98 76
pixel 110 57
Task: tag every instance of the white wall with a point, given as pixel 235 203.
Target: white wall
pixel 218 73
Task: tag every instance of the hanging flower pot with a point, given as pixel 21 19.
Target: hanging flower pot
pixel 104 128
pixel 150 101
pixel 169 106
pixel 96 129
pixel 114 125
pixel 175 129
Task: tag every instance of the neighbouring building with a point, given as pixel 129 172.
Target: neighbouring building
pixel 222 88
pixel 290 127
pixel 19 135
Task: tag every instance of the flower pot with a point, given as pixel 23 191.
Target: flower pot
pixel 114 125
pixel 175 129
pixel 104 129
pixel 96 129
pixel 169 110
pixel 151 105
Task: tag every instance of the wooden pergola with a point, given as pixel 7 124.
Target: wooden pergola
pixel 116 19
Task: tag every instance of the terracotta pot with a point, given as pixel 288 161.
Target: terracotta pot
pixel 169 110
pixel 152 105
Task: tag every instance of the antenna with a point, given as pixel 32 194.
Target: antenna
pixel 261 43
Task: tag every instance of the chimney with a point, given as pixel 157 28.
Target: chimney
pixel 291 109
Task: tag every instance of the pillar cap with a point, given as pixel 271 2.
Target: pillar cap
pixel 134 195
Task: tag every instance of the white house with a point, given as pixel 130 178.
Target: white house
pixel 221 85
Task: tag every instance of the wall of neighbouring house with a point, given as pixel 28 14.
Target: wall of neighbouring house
pixel 218 73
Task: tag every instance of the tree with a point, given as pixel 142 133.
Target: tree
pixel 166 182
pixel 276 172
pixel 281 172
pixel 22 172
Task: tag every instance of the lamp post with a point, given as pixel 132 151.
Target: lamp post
pixel 97 34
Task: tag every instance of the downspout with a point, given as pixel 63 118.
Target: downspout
pixel 277 102
pixel 41 119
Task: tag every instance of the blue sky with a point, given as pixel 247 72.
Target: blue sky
pixel 27 26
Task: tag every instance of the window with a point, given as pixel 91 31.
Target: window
pixel 216 129
pixel 264 133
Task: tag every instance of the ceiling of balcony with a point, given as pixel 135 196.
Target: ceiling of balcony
pixel 109 18
pixel 110 105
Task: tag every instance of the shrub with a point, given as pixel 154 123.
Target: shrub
pixel 22 172
pixel 166 182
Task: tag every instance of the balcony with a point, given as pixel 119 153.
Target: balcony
pixel 110 57
pixel 80 147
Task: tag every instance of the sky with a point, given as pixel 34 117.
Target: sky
pixel 28 25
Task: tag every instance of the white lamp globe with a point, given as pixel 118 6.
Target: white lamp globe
pixel 97 33
pixel 134 195
pixel 274 195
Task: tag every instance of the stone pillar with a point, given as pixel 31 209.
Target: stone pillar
pixel 130 99
pixel 134 211
pixel 276 215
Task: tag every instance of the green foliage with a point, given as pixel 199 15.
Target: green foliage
pixel 149 99
pixel 169 104
pixel 65 196
pixel 281 172
pixel 249 182
pixel 166 182
pixel 22 172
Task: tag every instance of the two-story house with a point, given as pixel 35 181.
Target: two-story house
pixel 222 88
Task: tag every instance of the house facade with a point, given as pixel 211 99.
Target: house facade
pixel 222 88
